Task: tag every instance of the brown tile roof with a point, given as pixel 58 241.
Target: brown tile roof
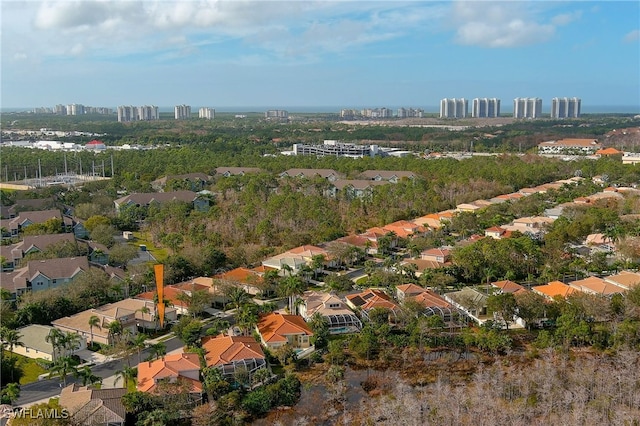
pixel 508 286
pixel 625 279
pixel 171 294
pixel 274 327
pixel 356 240
pixel 38 216
pixel 236 170
pixel 429 299
pixel 597 286
pixel 577 143
pixel 173 366
pixel 93 406
pixel 410 289
pixel 144 198
pixel 370 299
pixel 309 173
pixel 423 264
pixel 41 242
pixel 66 267
pixel 222 350
pixel 387 174
pixel 321 302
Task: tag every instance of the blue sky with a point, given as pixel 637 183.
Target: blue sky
pixel 303 53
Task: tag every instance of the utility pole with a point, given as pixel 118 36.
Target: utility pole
pixel 40 171
pixel 111 165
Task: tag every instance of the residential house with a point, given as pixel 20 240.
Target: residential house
pixel 31 204
pixel 422 265
pixel 230 353
pixel 236 171
pixel 351 189
pixel 370 299
pixel 190 181
pixel 608 152
pixel 14 253
pixel 172 294
pixel 595 285
pixel 625 279
pixel 250 280
pixel 442 255
pixel 600 240
pixel 328 174
pixel 360 241
pixel 433 304
pixel 406 229
pixel 26 218
pixel 94 407
pixel 431 220
pixel 98 253
pixel 35 345
pixel 508 286
pixel 470 301
pixel 131 313
pixel 406 291
pixel 43 274
pixel 183 367
pixel 297 257
pixel 467 208
pixel 392 176
pixel 497 232
pixel 554 289
pixel 145 199
pixel 569 146
pixel 340 318
pixel 278 329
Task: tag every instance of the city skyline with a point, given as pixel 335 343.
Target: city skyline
pixel 283 54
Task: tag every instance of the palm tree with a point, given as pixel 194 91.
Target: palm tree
pixel 70 342
pixel 127 374
pixel 62 367
pixel 94 321
pixel 55 337
pixel 115 330
pixel 247 317
pixel 139 343
pixel 11 392
pixel 157 350
pixel 11 338
pixel 237 296
pixel 87 376
pixel 144 311
pixel 290 287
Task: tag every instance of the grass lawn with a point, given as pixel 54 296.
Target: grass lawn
pixel 30 369
pixel 143 238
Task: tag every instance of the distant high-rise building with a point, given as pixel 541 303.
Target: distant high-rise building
pixel 410 113
pixel 527 108
pixel 61 109
pixel 127 113
pixel 485 108
pixel 147 113
pixel 565 108
pixel 376 113
pixel 454 108
pixel 208 113
pixel 349 114
pixel 276 113
pixel 75 109
pixel 182 112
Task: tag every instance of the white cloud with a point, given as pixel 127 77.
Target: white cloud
pixel 632 36
pixel 280 29
pixel 504 24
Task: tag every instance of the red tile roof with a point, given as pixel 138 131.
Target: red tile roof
pixel 170 366
pixel 276 326
pixel 223 350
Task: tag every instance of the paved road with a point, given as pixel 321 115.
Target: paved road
pixel 44 389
